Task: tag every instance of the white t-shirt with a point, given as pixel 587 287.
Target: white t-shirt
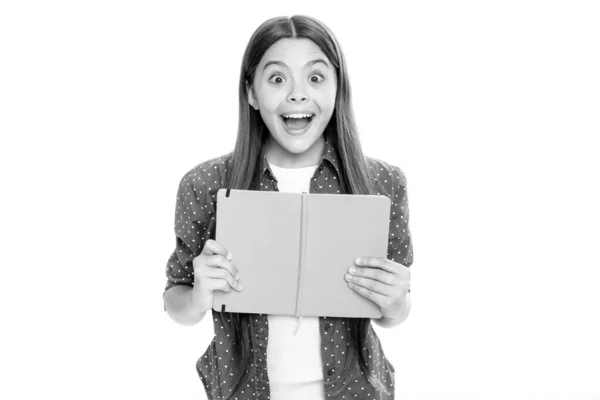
pixel 294 361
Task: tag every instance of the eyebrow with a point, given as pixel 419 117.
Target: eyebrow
pixel 308 64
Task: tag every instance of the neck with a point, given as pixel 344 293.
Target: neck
pixel 278 156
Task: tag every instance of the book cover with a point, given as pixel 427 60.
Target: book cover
pixel 293 250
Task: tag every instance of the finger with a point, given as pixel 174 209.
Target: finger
pixel 213 247
pixel 222 273
pixel 371 285
pixel 218 261
pixel 375 274
pixel 376 262
pixel 217 284
pixel 386 265
pixel 375 297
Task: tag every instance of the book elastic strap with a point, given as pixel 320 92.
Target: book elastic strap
pixel 226 195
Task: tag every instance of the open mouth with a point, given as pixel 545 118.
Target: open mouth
pixel 297 121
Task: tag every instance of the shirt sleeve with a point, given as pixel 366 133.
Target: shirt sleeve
pixel 191 225
pixel 400 247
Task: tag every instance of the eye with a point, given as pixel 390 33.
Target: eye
pixel 276 79
pixel 318 79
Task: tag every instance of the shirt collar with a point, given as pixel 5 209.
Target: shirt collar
pixel 329 154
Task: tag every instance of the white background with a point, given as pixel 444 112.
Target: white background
pixel 491 108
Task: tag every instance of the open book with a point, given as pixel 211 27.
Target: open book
pixel 293 250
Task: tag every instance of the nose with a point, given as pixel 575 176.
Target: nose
pixel 298 94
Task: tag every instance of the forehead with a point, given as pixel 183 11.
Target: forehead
pixel 288 50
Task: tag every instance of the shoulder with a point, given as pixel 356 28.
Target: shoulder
pixel 205 179
pixel 386 175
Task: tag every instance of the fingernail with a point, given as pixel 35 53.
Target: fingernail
pixel 358 261
pixel 240 286
pixel 229 255
pixel 348 277
pixel 351 270
pixel 237 275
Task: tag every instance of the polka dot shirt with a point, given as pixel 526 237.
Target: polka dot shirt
pixel 195 223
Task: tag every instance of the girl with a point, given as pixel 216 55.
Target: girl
pixel 296 133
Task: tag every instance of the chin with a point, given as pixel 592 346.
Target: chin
pixel 298 144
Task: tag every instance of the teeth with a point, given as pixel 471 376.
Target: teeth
pixel 298 116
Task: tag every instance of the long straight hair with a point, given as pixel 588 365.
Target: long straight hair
pixel 243 172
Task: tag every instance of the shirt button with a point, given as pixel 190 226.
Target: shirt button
pixel 259 330
pixel 328 327
pixel 330 372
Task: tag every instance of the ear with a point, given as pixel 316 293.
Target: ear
pixel 251 97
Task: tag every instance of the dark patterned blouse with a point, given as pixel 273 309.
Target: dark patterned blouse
pixel 195 223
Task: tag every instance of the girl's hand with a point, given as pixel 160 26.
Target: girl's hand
pixel 213 270
pixel 383 281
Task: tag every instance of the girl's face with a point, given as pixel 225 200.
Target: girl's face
pixel 294 89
